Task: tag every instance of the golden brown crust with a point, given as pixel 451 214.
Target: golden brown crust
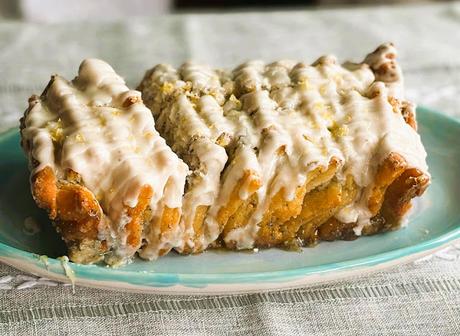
pixel 305 220
pixel 200 215
pixel 131 100
pixel 135 226
pixel 79 218
pixel 283 219
pixel 388 171
pixel 333 229
pixel 406 109
pixel 168 223
pixel 271 231
pixel 397 201
pixel 239 218
pixel 411 183
pixel 386 69
pixel 321 205
pixel 390 198
pixel 44 190
pixel 228 216
pixel 408 113
pixel 75 213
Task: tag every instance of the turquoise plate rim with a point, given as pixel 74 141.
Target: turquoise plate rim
pixel 157 279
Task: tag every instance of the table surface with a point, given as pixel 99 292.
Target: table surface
pixel 416 299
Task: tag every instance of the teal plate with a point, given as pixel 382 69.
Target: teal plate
pixel 434 223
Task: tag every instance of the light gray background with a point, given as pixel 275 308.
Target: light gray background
pixel 416 299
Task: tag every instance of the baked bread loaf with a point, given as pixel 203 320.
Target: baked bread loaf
pixel 283 154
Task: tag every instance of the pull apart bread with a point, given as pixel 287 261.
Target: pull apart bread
pixel 283 154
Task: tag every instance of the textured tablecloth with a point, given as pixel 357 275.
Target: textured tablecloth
pixel 422 298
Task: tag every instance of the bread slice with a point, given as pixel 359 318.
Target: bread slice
pixel 98 166
pixel 324 141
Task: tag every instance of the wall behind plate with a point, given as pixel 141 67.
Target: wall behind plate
pixel 109 10
pixel 80 10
